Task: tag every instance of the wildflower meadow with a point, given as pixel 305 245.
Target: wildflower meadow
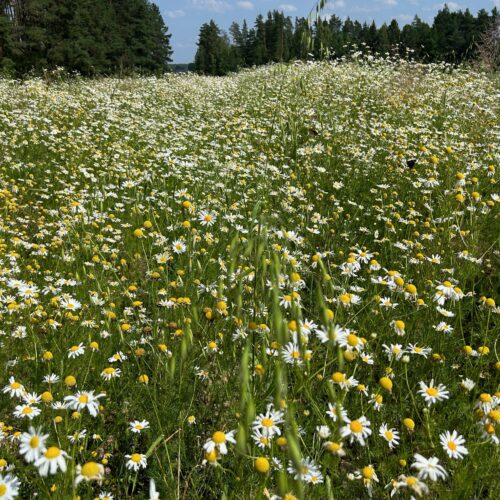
pixel 280 284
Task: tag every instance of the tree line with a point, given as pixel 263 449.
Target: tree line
pixel 87 36
pixel 453 37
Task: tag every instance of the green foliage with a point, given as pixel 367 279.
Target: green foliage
pixel 453 37
pixel 86 36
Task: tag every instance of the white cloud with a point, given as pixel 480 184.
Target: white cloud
pixel 287 7
pixel 246 5
pixel 405 18
pixel 391 2
pixel 174 14
pixel 213 5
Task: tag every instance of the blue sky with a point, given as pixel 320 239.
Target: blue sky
pixel 184 17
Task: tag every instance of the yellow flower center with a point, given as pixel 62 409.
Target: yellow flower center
pixel 267 422
pixel 352 340
pixel 52 452
pixel 15 385
pixel 3 489
pixel 368 472
pixel 411 481
pixel 333 447
pixel 27 410
pixel 356 426
pixel 432 391
pixel 90 469
pixel 74 348
pixel 452 446
pixel 34 442
pixel 135 457
pixel 388 435
pixel 83 399
pixel 296 354
pixel 219 437
pixel 212 456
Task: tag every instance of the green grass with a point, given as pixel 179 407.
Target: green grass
pixel 303 168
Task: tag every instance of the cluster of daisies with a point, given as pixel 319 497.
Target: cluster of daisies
pixel 281 283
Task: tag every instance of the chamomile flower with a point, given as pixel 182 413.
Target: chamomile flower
pixel 14 388
pixel 84 399
pixel 292 355
pixel 9 487
pixel 428 468
pixel 178 247
pixel 27 411
pixel 356 430
pixel 89 471
pixel 334 410
pixel 136 461
pixel 268 422
pixel 261 439
pixel 390 435
pixel 219 442
pixel 411 483
pixel 51 460
pixel 432 393
pixel 76 350
pixel 207 218
pixel 452 444
pixel 138 426
pixel 32 444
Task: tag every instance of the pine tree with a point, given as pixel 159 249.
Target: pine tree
pixel 213 54
pixel 7 47
pixel 259 49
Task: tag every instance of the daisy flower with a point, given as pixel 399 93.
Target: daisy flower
pixel 90 471
pixel 432 394
pixel 110 373
pixel 307 471
pixel 178 246
pixel 84 399
pixel 136 461
pixel 291 354
pixel 218 442
pixel 32 444
pixel 356 430
pixel 428 468
pixel 51 461
pixel 410 482
pixel 207 218
pixel 76 350
pixel 268 422
pixel 334 410
pixel 453 444
pixel 261 439
pixel 335 448
pixel 139 425
pixel 14 388
pixel 9 487
pixel 390 435
pixel 27 411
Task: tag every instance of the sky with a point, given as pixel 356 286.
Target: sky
pixel 184 17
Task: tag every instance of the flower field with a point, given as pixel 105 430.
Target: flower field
pixel 280 284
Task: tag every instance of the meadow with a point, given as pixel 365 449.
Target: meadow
pixel 279 284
